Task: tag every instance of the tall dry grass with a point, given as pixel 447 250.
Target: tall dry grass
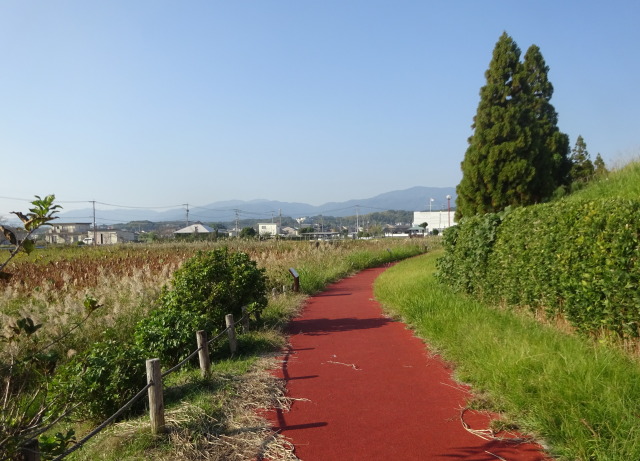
pixel 50 286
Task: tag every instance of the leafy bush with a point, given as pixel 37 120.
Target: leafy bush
pixel 468 247
pixel 168 333
pixel 102 378
pixel 205 289
pixel 579 259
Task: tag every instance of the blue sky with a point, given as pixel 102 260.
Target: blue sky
pixel 160 103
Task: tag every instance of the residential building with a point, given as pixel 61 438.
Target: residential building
pixel 110 237
pixel 67 233
pixel 194 229
pixel 269 228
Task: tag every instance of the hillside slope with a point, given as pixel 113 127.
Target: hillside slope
pixel 624 183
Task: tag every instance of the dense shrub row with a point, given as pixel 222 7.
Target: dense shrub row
pixel 578 259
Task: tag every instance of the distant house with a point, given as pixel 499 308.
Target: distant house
pixel 270 228
pixel 194 229
pixel 399 230
pixel 289 231
pixel 67 232
pixel 110 237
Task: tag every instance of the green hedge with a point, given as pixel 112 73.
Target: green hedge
pixel 575 259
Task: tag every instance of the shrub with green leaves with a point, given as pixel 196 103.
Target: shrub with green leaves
pixel 468 247
pixel 102 378
pixel 575 258
pixel 205 289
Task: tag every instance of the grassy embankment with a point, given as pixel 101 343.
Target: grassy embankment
pixel 624 182
pixel 580 397
pixel 210 418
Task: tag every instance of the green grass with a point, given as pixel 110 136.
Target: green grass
pixel 582 399
pixel 624 182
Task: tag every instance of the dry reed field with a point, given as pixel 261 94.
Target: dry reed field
pixel 85 295
pixel 51 284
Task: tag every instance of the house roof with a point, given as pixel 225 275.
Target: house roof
pixel 197 228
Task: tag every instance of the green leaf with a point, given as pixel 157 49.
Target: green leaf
pixel 28 246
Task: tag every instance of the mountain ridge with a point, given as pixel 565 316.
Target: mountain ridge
pixel 417 198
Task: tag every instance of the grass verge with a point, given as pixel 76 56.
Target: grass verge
pixel 582 399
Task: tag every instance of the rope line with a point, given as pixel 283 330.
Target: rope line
pixel 219 335
pixel 135 398
pixel 105 423
pixel 178 366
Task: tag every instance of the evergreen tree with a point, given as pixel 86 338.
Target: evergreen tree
pixel 600 167
pixel 582 168
pixel 551 147
pixel 495 160
pixel 516 155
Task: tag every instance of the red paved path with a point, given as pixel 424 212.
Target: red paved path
pixel 372 391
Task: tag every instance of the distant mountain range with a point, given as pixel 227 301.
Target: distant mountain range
pixel 417 198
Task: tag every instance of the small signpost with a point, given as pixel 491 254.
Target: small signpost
pixel 296 279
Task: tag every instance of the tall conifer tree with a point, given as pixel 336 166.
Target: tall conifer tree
pixel 551 147
pixel 600 169
pixel 516 155
pixel 582 168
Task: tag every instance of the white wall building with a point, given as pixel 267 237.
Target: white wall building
pixel 268 228
pixel 435 219
pixel 110 237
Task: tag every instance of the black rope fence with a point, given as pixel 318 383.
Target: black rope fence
pixel 194 353
pixel 141 393
pixel 105 423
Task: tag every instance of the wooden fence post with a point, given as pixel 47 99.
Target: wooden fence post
pixel 231 331
pixel 31 451
pixel 203 353
pixel 156 401
pixel 245 319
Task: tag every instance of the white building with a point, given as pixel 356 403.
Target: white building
pixel 110 237
pixel 194 229
pixel 269 228
pixel 435 219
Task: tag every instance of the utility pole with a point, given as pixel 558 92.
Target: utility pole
pixel 357 220
pixel 187 205
pixel 95 232
pixel 237 211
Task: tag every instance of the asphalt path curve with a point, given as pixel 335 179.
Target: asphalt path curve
pixel 365 388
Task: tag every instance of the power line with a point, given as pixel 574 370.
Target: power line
pixel 142 207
